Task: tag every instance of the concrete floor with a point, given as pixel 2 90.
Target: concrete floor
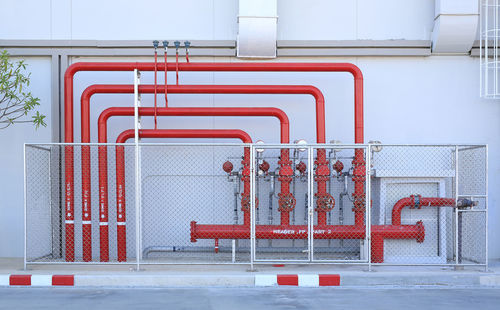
pixel 251 298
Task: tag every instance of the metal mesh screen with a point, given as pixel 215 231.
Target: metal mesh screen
pixel 189 203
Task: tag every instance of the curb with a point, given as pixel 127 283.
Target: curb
pixel 305 280
pixel 36 280
pixel 258 280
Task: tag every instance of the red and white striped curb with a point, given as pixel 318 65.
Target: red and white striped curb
pixel 36 280
pixel 309 280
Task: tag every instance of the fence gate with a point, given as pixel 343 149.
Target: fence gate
pixel 295 218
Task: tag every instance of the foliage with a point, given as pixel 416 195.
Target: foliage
pixel 15 102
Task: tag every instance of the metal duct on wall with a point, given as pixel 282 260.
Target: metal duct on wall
pixel 257 28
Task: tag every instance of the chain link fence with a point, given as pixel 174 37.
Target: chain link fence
pixel 345 204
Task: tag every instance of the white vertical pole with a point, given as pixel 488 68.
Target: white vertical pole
pixel 486 51
pixel 25 212
pixel 368 217
pixel 252 206
pixel 310 198
pixel 456 210
pixel 233 258
pixel 137 125
pixel 486 207
pixel 481 49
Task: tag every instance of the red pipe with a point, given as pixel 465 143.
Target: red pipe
pixel 419 202
pixel 158 133
pixel 144 111
pixel 156 84
pixel 237 67
pixel 199 89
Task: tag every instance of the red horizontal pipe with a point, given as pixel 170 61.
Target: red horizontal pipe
pixel 186 133
pixel 416 231
pixel 205 89
pixel 424 202
pixel 157 133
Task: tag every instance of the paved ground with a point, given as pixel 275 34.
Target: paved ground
pixel 250 298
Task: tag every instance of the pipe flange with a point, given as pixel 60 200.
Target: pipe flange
pixel 286 202
pixel 416 202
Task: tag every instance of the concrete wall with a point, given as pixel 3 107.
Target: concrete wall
pixel 407 99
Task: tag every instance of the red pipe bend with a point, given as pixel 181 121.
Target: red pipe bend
pixel 424 202
pixel 155 133
pixel 185 133
pixel 235 67
pixel 145 111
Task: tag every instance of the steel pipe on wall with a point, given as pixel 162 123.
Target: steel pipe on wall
pixel 145 111
pixel 235 67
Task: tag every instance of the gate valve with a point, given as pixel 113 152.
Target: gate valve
pixel 464 203
pixel 301 167
pixel 245 202
pixel 324 202
pixel 264 166
pixel 286 202
pixel 338 166
pixel 227 167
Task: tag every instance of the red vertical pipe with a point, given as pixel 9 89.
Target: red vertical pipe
pixel 86 205
pixel 69 203
pixel 158 133
pixel 103 203
pixel 165 87
pixel 156 85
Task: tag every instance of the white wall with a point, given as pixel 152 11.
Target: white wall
pixel 214 19
pixel 11 158
pixel 407 99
